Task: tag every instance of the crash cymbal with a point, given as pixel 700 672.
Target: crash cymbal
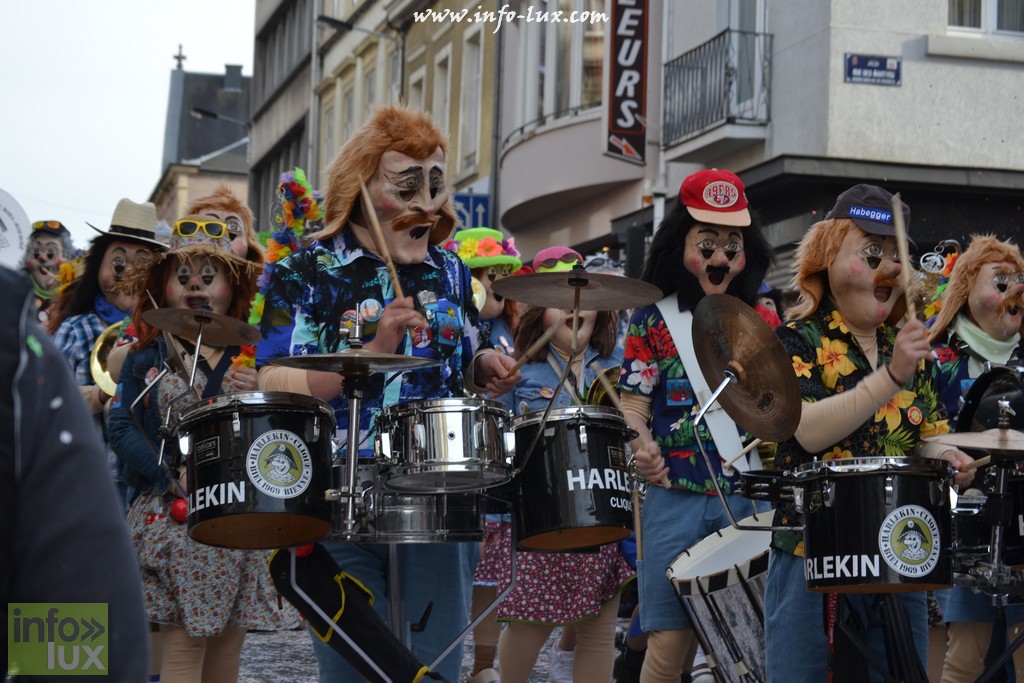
pixel 598 291
pixel 729 335
pixel 354 362
pixel 1000 442
pixel 217 328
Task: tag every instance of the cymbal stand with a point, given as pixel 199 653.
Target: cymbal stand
pixel 577 284
pixel 730 376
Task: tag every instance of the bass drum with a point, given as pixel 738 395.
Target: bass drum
pixel 258 469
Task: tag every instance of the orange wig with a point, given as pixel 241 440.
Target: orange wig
pixel 390 128
pixel 224 201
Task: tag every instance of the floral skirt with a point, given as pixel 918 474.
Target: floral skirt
pixel 554 588
pixel 202 588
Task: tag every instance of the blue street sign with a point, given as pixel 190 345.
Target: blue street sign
pixel 472 210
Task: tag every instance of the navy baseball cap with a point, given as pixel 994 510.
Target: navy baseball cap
pixel 870 207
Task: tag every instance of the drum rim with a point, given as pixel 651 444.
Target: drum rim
pixel 603 413
pixel 848 466
pixel 245 399
pixel 432 404
pixel 733 574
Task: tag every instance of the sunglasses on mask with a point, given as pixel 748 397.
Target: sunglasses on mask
pixel 47 225
pixel 564 258
pixel 214 229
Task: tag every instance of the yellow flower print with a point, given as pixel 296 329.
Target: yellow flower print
pixel 832 358
pixel 801 368
pixel 890 412
pixel 838 322
pixel 934 428
pixel 837 453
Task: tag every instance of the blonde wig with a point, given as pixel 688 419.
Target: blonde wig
pixel 390 128
pixel 814 256
pixel 224 201
pixel 984 249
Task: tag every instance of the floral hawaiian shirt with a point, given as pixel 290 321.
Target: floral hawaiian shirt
pixel 652 368
pixel 828 360
pixel 953 376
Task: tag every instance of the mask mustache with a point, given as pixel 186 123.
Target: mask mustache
pixel 881 281
pixel 412 220
pixel 1011 301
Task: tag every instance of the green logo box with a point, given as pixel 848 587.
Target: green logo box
pixel 57 638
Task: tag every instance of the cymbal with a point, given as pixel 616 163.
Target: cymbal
pixel 354 362
pixel 729 335
pixel 217 328
pixel 995 440
pixel 598 291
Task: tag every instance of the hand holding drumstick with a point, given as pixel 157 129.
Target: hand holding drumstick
pixel 649 460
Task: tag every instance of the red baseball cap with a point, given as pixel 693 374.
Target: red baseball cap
pixel 715 197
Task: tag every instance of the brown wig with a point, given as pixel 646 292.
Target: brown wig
pixel 390 128
pixel 224 201
pixel 814 256
pixel 530 327
pixel 984 249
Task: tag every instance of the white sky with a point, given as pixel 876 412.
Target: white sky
pixel 85 85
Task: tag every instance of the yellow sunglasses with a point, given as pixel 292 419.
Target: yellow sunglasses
pixel 214 229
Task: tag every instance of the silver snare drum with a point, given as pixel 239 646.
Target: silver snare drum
pixel 447 445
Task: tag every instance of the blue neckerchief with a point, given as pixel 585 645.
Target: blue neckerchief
pixel 216 375
pixel 108 312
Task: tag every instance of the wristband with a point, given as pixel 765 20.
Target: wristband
pixel 892 376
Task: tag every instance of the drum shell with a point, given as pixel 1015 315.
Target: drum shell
pixel 232 503
pixel 447 445
pixel 572 492
pixel 383 516
pixel 855 512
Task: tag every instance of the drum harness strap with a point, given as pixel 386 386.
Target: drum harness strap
pixel 722 427
pixel 573 392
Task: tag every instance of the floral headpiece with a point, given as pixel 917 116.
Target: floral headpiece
pixel 298 206
pixel 482 247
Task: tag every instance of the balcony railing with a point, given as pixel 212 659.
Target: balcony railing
pixel 725 80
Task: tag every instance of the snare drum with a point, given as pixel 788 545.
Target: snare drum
pixel 383 516
pixel 446 445
pixel 972 529
pixel 572 492
pixel 875 525
pixel 258 468
pixel 720 582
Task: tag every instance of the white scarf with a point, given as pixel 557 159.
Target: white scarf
pixel 984 346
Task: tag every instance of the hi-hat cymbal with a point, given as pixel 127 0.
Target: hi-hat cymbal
pixel 217 328
pixel 997 441
pixel 598 291
pixel 354 362
pixel 764 399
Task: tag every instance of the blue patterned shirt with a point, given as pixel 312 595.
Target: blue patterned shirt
pixel 75 338
pixel 314 293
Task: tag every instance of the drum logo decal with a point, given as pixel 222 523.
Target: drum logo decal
pixel 909 541
pixel 279 464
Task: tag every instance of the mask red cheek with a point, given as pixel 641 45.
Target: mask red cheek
pixel 695 264
pixel 739 263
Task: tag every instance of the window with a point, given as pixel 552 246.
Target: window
pixel 988 16
pixel 416 89
pixel 563 63
pixel 348 108
pixel 442 86
pixel 369 94
pixel 469 116
pixel 327 125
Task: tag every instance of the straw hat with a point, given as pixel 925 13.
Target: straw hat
pixel 133 222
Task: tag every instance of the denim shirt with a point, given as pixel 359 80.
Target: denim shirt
pixel 540 382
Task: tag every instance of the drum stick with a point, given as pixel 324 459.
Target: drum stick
pixel 749 447
pixel 980 462
pixel 378 238
pixel 534 348
pixel 613 395
pixel 904 252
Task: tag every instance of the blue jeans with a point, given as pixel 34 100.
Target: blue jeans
pixel 672 521
pixel 441 573
pixel 794 628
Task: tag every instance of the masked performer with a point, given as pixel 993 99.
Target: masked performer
pixel 48 247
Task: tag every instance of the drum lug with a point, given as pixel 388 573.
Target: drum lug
pixel 383 445
pixel 236 425
pixel 889 492
pixel 581 435
pixel 316 431
pixel 828 493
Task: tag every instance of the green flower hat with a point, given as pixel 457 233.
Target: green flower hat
pixel 482 247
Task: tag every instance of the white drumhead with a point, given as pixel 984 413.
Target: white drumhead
pixel 724 551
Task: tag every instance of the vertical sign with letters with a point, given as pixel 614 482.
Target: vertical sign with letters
pixel 627 90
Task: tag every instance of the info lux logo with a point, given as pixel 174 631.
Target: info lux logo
pixel 57 639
